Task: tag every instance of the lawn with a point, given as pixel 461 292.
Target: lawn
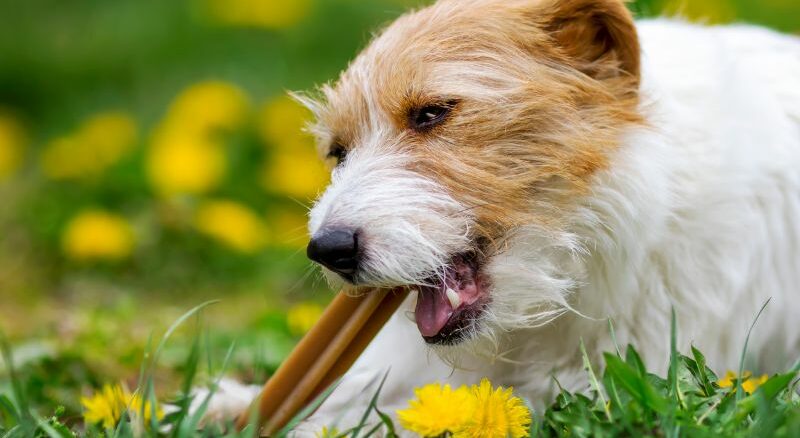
pixel 150 162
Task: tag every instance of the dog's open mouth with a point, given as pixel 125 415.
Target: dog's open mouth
pixel 450 303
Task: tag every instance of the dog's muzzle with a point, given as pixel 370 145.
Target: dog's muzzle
pixel 336 249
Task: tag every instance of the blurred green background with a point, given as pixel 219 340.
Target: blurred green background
pixel 150 160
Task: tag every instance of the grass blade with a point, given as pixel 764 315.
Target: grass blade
pixel 587 365
pixel 739 390
pixel 307 410
pixel 372 405
pixel 177 324
pixel 614 337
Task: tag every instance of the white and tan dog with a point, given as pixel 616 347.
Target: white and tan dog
pixel 532 168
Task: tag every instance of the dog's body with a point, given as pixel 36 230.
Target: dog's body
pixel 642 184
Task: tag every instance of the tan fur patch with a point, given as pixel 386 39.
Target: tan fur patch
pixel 542 91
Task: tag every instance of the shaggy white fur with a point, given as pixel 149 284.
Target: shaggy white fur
pixel 699 211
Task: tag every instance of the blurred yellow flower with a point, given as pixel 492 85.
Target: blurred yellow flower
pixel 497 414
pixel 706 11
pixel 749 383
pixel 97 235
pixel 232 224
pixel 296 173
pixel 294 168
pixel 282 120
pixel 301 317
pixel 271 14
pixel 289 228
pixel 206 107
pixel 331 432
pixel 180 163
pixel 98 143
pixel 437 409
pixel 106 406
pixel 186 155
pixel 12 144
pixel 730 377
pixel 135 408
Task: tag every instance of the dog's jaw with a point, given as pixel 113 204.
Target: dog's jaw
pixel 451 304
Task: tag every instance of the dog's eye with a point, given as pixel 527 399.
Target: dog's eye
pixel 337 152
pixel 428 116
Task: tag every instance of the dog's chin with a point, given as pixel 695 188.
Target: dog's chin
pixel 450 303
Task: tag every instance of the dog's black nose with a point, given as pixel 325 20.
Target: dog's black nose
pixel 337 250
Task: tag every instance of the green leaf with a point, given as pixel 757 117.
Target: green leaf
pixel 633 359
pixel 587 366
pixel 701 372
pixel 635 383
pixel 776 384
pixel 387 422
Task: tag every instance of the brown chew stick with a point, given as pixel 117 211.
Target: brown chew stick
pixel 323 355
pixel 385 310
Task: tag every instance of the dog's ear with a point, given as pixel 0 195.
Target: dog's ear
pixel 597 36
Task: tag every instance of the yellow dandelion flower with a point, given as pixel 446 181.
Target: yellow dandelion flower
pixel 100 142
pixel 206 107
pixel 730 377
pixel 186 155
pixel 298 173
pixel 12 144
pixel 497 414
pixel 282 120
pixel 109 135
pixel 233 225
pixel 97 235
pixel 179 163
pixel 134 404
pixel 301 317
pixel 105 407
pixel 437 409
pixel 271 14
pixel 294 168
pixel 750 385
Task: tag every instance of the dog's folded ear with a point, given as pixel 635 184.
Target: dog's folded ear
pixel 596 36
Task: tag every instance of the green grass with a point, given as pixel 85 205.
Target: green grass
pixel 630 401
pixel 19 419
pixel 625 400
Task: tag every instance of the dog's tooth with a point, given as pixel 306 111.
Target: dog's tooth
pixel 455 300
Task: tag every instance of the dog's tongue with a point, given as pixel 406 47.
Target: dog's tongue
pixel 433 310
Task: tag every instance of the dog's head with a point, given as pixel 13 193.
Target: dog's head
pixel 460 141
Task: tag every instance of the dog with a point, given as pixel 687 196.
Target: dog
pixel 531 169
